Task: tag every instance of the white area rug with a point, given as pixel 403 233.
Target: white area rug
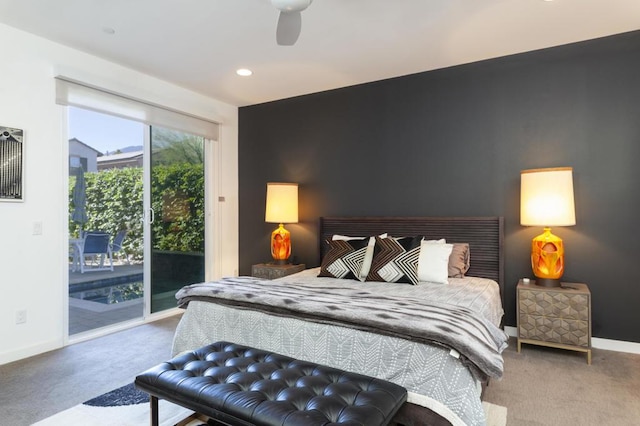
pixel 128 407
pixel 132 415
pixel 124 406
pixel 496 414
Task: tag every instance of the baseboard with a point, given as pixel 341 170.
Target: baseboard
pixel 30 351
pixel 615 345
pixel 17 355
pixel 597 343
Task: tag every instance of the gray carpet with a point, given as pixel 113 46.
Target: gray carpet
pixel 553 387
pixel 541 386
pixel 38 387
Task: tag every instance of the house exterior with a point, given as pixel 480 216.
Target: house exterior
pixel 81 154
pixel 120 161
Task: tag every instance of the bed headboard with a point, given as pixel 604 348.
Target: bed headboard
pixel 484 235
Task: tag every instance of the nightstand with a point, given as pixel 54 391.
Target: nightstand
pixel 558 317
pixel 272 271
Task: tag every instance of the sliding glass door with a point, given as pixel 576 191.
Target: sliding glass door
pixel 148 188
pixel 106 235
pixel 177 214
pixel 141 194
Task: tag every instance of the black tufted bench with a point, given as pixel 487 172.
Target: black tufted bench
pixel 240 385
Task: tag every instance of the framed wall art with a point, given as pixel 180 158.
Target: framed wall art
pixel 11 164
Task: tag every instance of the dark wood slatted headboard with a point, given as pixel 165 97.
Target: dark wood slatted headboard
pixel 484 235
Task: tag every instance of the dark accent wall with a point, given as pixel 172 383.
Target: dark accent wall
pixel 452 142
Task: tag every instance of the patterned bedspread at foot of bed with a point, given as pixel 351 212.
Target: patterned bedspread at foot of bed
pixel 421 319
pixel 434 377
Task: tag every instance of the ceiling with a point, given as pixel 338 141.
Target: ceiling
pixel 199 44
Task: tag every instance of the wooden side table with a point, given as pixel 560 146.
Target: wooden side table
pixel 558 317
pixel 272 271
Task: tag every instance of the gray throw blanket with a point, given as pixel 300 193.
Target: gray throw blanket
pixel 478 341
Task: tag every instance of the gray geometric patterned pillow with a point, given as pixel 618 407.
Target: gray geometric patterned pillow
pixel 344 259
pixel 395 260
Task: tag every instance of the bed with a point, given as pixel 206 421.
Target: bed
pixel 397 332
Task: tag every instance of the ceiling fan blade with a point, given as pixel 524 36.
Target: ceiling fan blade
pixel 289 26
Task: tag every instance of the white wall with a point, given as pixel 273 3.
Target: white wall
pixel 33 269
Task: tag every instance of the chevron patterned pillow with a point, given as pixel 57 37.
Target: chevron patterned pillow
pixel 395 260
pixel 344 258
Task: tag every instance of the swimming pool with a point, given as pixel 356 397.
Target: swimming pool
pixel 109 291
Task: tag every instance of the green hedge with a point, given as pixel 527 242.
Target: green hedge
pixel 114 202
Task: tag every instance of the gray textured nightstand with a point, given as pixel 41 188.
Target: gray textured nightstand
pixel 272 271
pixel 559 317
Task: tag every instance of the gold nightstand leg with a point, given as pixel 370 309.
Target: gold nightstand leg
pixel 519 346
pixel 589 357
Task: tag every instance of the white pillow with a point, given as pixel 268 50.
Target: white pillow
pixel 433 263
pixel 440 241
pixel 368 256
pixel 348 238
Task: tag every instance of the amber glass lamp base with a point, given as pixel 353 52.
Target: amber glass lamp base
pixel 547 259
pixel 280 245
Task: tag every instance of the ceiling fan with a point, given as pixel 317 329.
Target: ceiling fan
pixel 290 20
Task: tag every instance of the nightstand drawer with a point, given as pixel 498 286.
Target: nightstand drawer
pixel 554 330
pixel 554 304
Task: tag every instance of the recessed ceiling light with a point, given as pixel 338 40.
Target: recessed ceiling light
pixel 244 72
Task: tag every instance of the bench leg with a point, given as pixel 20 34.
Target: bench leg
pixel 154 410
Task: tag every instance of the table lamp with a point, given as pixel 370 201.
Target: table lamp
pixel 546 199
pixel 282 207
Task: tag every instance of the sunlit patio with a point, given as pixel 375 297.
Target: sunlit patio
pixel 89 304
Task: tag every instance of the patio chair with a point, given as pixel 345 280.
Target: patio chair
pixel 117 247
pixel 96 246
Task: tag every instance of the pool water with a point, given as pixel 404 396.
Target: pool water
pixel 111 294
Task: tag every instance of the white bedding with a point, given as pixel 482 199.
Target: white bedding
pixel 433 375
